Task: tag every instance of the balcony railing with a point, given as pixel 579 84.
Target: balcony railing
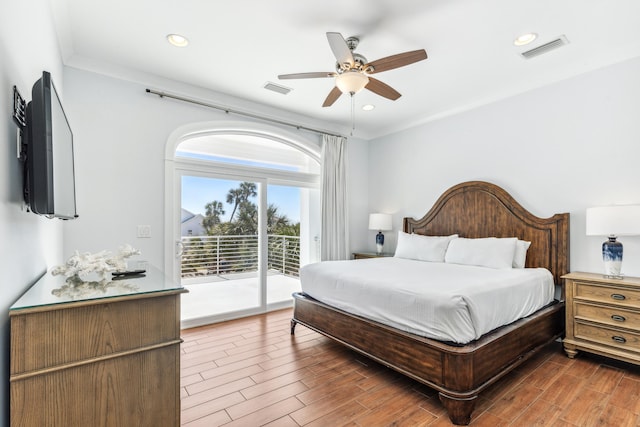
pixel 220 255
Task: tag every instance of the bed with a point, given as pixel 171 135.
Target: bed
pixel 460 373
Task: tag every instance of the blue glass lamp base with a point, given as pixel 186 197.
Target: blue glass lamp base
pixel 612 257
pixel 379 242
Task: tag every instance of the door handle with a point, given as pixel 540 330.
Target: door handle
pixel 179 248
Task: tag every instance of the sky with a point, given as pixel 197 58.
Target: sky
pixel 198 191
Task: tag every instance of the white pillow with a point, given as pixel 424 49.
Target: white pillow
pixel 422 248
pixel 520 255
pixel 405 247
pixel 486 252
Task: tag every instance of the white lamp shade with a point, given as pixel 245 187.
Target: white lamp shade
pixel 380 221
pixel 623 220
pixel 351 81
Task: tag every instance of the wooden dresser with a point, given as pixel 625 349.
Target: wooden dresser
pixel 603 316
pixel 100 353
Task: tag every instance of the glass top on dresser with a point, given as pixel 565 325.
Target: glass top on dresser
pixel 52 289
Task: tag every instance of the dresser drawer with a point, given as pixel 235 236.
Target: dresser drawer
pixel 61 336
pixel 608 294
pixel 608 336
pixel 616 317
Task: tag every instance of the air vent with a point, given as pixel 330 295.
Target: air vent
pixel 277 88
pixel 544 48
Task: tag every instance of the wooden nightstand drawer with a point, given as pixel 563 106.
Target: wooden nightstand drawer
pixel 608 294
pixel 616 317
pixel 365 255
pixel 608 336
pixel 602 316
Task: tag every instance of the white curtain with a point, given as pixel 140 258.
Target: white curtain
pixel 335 219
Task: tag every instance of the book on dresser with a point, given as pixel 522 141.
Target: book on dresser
pixel 603 316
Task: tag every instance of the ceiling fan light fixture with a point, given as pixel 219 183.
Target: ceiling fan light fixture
pixel 351 82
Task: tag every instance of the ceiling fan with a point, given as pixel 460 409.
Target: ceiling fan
pixel 353 72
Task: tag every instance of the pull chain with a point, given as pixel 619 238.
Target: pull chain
pixel 353 113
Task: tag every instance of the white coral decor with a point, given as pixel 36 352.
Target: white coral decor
pixel 101 263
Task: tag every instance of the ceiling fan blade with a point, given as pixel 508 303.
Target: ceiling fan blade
pixel 340 49
pixel 332 97
pixel 307 75
pixel 396 61
pixel 382 89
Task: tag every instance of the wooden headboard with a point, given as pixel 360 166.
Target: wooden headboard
pixel 480 209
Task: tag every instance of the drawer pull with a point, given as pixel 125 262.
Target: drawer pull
pixel 618 318
pixel 619 339
pixel 618 297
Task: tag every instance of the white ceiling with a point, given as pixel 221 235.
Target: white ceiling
pixel 238 46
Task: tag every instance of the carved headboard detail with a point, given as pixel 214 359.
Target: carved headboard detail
pixel 480 209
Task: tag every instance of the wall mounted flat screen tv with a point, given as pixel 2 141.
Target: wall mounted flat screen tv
pixel 50 176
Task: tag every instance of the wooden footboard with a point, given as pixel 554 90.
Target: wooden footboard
pixel 458 373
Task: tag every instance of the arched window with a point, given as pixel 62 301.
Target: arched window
pixel 251 201
pixel 248 150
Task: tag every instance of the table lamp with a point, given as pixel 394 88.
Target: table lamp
pixel 613 221
pixel 380 222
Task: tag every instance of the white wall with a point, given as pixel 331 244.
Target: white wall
pixel 30 244
pixel 562 148
pixel 120 133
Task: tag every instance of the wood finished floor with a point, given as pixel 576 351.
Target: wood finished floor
pixel 252 372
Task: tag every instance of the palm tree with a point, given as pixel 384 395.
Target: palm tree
pixel 237 196
pixel 275 220
pixel 234 196
pixel 213 211
pixel 247 221
pixel 248 190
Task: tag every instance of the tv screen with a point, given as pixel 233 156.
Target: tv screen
pixel 50 185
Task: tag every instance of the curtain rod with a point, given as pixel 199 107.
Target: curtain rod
pixel 241 113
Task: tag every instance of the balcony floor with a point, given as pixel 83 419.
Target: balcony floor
pixel 218 298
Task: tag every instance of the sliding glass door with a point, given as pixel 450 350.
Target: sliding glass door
pixel 293 230
pixel 242 243
pixel 246 217
pixel 220 246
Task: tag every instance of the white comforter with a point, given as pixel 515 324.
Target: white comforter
pixel 447 302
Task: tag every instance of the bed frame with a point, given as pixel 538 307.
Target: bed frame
pixel 459 373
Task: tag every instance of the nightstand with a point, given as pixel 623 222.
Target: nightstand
pixel 363 255
pixel 603 316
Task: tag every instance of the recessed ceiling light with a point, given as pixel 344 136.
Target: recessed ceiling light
pixel 525 39
pixel 177 40
pixel 368 107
